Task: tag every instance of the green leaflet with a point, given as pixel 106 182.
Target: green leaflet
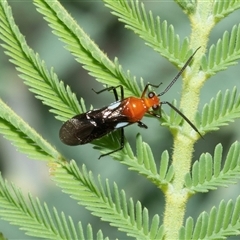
pixel 159 36
pixel 223 54
pixel 26 139
pixel 36 218
pixel 221 110
pixel 110 205
pixel 143 162
pixel 224 8
pixel 209 172
pixel 218 224
pixel 84 49
pixel 42 82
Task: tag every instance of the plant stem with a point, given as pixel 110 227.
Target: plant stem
pixel 176 196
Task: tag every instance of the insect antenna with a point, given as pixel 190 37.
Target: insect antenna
pixel 178 75
pixel 170 85
pixel 183 116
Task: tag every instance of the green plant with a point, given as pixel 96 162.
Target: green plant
pixel 174 176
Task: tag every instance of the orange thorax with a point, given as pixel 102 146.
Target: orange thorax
pixel 135 108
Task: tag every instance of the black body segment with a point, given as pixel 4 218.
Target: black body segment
pixel 86 127
pixel 94 124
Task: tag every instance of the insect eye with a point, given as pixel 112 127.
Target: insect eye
pixel 155 107
pixel 151 94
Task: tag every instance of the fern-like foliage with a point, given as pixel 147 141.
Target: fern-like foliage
pixel 43 83
pixel 146 159
pixel 36 219
pixel 24 137
pixel 143 163
pixel 105 200
pixel 110 205
pixel 28 141
pixel 84 49
pixel 161 37
pixel 220 111
pixel 82 187
pixel 223 8
pixel 68 177
pixel 224 54
pixel 209 172
pixel 218 224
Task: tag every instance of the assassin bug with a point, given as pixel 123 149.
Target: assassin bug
pixel 86 127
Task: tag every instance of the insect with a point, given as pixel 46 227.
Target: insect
pixel 94 124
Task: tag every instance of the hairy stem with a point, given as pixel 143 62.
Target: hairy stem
pixel 176 195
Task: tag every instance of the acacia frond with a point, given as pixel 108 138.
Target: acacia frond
pixel 160 36
pixel 145 158
pixel 224 54
pixel 36 220
pixel 143 163
pixel 220 223
pixel 84 49
pixel 211 172
pixel 220 111
pixel 42 82
pixel 22 136
pixel 110 205
pixel 223 8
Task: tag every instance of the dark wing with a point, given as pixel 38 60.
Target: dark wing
pixel 86 127
pixel 76 130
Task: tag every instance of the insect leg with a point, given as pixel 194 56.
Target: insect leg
pixel 114 91
pixel 154 114
pixel 142 125
pixel 146 88
pixel 118 149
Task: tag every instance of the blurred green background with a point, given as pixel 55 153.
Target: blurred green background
pixel 142 61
